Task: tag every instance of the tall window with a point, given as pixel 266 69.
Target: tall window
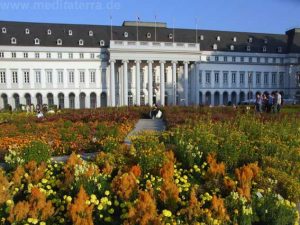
pixel 233 78
pixel 48 55
pixel 71 77
pixel 82 77
pixel 25 54
pixel 242 78
pixel 60 77
pixel 70 55
pixel 281 78
pixel 242 59
pixel 49 77
pixel 37 55
pixel 216 78
pixel 258 74
pixel 250 78
pixel 38 77
pixel 225 78
pixel 92 55
pixel 59 55
pixel 200 77
pixel 93 77
pixel 274 78
pixel 26 77
pixel 1 54
pixel 2 77
pixel 81 55
pixel 14 55
pixel 207 77
pixel 15 77
pixel 266 77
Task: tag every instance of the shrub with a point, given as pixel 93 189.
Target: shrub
pixel 37 151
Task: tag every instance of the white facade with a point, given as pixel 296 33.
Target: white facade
pixel 140 73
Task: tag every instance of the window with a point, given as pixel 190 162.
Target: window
pixel 102 43
pixel 49 77
pixel 4 30
pixel 233 78
pixel 248 48
pixel 281 78
pixel 258 59
pixel 200 77
pixel 250 39
pixel 15 77
pixel 60 77
pixel 242 59
pixel 25 55
pixel 225 77
pixel 93 77
pixel 26 77
pixel 250 60
pixel 14 55
pixel 48 55
pixel 266 41
pixel 27 31
pixel 81 42
pixel 234 39
pixel 92 55
pixel 1 54
pixel 70 55
pixel 70 32
pixel 250 78
pixel 13 40
pixel 225 59
pixel 242 77
pixel 207 77
pixel 82 77
pixel 38 77
pixel 71 77
pixel 218 38
pixel 233 59
pixel 59 42
pixel 36 41
pixel 216 77
pixel 49 32
pixel 215 47
pixel 201 37
pixel 2 77
pixel 170 36
pixel 258 74
pixel 266 77
pixel 274 78
pixel 279 49
pixel 266 60
pixel 91 33
pixel 81 55
pixel 103 76
pixel 37 55
pixel 207 58
pixel 59 55
pixel 264 49
pixel 126 34
pixel 148 35
pixel 274 60
pixel 217 58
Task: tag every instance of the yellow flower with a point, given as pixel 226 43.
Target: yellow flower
pixel 69 199
pixel 167 213
pixel 42 223
pixel 9 202
pixel 106 193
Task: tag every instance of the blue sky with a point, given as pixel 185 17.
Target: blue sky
pixel 269 16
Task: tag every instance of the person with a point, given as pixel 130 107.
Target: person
pixel 258 103
pixel 40 114
pixel 154 111
pixel 264 103
pixel 270 102
pixel 279 101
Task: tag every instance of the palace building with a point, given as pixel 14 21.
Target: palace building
pixel 140 63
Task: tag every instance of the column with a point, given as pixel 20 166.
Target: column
pixel 125 83
pixel 186 84
pixel 174 85
pixel 199 73
pixel 150 83
pixel 162 83
pixel 138 82
pixel 112 84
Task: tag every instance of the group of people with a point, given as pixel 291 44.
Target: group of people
pixel 270 103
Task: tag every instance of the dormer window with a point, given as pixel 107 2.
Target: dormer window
pixel 215 47
pixel 59 42
pixel 4 30
pixel 36 41
pixel 148 35
pixel 250 39
pixel 91 33
pixel 266 41
pixel 201 37
pixel 102 43
pixel 232 47
pixel 279 49
pixel 13 40
pixel 49 32
pixel 264 49
pixel 70 32
pixel 126 34
pixel 170 36
pixel 27 31
pixel 81 42
pixel 218 38
pixel 234 39
pixel 248 48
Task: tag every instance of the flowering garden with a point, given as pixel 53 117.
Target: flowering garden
pixel 211 166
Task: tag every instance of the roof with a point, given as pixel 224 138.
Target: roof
pixel 289 42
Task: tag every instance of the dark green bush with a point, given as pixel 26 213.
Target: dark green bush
pixel 37 151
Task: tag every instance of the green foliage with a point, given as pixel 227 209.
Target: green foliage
pixel 37 151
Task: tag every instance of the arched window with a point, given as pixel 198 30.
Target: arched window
pixel 215 47
pixel 93 100
pixel 82 97
pixel 170 36
pixel 27 31
pixel 49 32
pixel 102 43
pixel 4 30
pixel 39 99
pixel 28 99
pixel 91 33
pixel 208 98
pixel 61 101
pixel 4 100
pixel 72 101
pixel 103 99
pixel 59 42
pixel 13 40
pixel 17 101
pixel 148 35
pixel 70 32
pixel 81 42
pixel 50 99
pixel 232 47
pixel 126 34
pixel 36 41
